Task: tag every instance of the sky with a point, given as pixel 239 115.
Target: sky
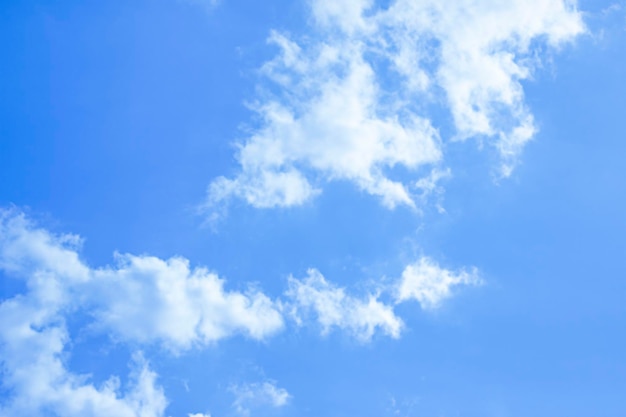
pixel 315 208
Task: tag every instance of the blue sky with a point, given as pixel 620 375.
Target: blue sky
pixel 312 208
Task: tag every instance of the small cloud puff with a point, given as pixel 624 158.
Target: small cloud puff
pixel 258 394
pixel 429 284
pixel 332 307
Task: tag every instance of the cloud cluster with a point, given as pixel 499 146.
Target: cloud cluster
pixel 146 300
pixel 354 99
pixel 313 298
pixel 143 299
pixel 33 336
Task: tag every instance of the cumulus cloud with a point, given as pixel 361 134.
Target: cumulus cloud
pixel 258 394
pixel 141 298
pixel 429 284
pixel 33 337
pixel 145 299
pixel 332 308
pixel 352 100
pixel 315 299
pixel 331 126
pixel 484 49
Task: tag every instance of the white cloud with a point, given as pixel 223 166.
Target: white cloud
pixel 33 337
pixel 484 49
pixel 146 300
pixel 330 126
pixel 353 97
pixel 345 14
pixel 257 394
pixel 313 298
pixel 142 298
pixel 429 284
pixel 198 415
pixel 333 308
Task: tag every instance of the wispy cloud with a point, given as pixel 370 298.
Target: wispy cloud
pixel 332 307
pixel 353 98
pixel 258 394
pixel 314 299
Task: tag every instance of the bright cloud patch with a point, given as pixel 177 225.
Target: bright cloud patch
pixel 354 96
pixel 146 300
pixel 429 284
pixel 32 341
pixel 143 298
pixel 257 395
pixel 333 308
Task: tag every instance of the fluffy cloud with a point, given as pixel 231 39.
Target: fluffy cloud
pixel 254 395
pixel 333 308
pixel 142 298
pixel 33 369
pixel 353 97
pixel 33 337
pixel 313 298
pixel 482 50
pixel 145 299
pixel 332 126
pixel 429 284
